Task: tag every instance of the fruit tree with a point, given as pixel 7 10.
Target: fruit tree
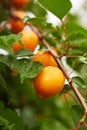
pixel 43 78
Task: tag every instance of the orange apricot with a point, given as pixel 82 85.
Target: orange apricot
pixel 45 58
pixel 30 40
pixel 19 3
pixel 49 82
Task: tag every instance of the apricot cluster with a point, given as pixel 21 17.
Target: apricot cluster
pixel 51 79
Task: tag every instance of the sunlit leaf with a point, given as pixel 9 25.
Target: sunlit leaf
pixel 35 21
pixel 83 59
pixel 58 7
pixel 24 52
pixel 36 9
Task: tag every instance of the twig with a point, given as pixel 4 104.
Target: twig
pixel 66 31
pixel 66 98
pixel 72 97
pixel 85 124
pixel 82 122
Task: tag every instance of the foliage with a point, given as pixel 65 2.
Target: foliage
pixel 20 107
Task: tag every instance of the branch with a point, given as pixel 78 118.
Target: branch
pixel 71 83
pixel 47 46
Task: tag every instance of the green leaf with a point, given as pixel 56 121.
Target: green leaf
pixel 58 7
pixel 49 124
pixel 77 37
pixel 6 59
pixel 24 52
pixel 3 86
pixel 77 113
pixel 6 41
pixel 74 28
pixel 40 22
pixel 79 81
pixel 75 52
pixel 4 124
pixel 83 59
pixel 36 9
pixel 27 68
pixel 12 117
pixel 52 124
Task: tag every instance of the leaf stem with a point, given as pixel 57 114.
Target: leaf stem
pixel 66 32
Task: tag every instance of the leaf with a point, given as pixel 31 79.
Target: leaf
pixel 52 124
pixel 77 113
pixel 83 59
pixel 49 124
pixel 77 37
pixel 23 52
pixel 74 28
pixel 75 52
pixel 58 7
pixel 27 68
pixel 12 117
pixel 4 124
pixel 6 41
pixel 36 9
pixel 3 86
pixel 79 81
pixel 35 21
pixel 6 59
pixel 66 88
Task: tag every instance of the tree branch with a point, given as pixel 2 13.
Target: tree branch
pixel 71 83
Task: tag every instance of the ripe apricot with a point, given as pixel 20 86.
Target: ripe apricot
pixel 30 40
pixel 16 21
pixel 16 25
pixel 49 82
pixel 19 3
pixel 45 58
pixel 19 13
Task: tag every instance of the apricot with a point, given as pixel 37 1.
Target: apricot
pixel 49 82
pixel 45 58
pixel 30 40
pixel 19 3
